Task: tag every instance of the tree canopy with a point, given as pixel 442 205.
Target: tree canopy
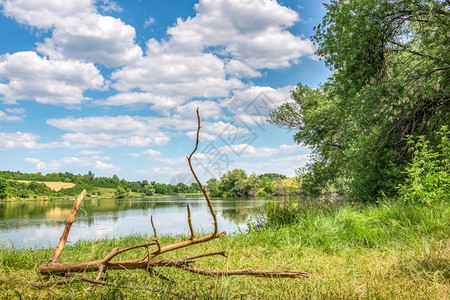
pixel 390 80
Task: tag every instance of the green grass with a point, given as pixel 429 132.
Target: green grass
pixel 352 252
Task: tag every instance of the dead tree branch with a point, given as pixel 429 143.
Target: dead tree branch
pixel 149 262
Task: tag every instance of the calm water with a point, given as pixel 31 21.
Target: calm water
pixel 40 224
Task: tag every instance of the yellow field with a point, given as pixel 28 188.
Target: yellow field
pixel 291 182
pixel 56 186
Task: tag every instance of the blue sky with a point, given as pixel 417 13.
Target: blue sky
pixel 112 86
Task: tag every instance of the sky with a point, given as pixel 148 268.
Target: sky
pixel 112 87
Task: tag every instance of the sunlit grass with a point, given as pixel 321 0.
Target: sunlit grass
pixel 351 252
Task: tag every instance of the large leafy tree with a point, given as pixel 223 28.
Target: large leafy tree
pixel 391 79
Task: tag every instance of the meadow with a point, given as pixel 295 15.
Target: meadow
pixel 380 251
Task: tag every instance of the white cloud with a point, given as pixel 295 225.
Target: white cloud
pixel 237 68
pixel 93 38
pixel 160 103
pixel 104 166
pixel 8 118
pixel 44 13
pixel 110 131
pixel 46 81
pixel 149 21
pixel 252 31
pixel 19 139
pixel 40 165
pixel 151 152
pixel 176 75
pixel 67 162
pixel 253 104
pixel 211 131
pixel 16 111
pixel 208 110
pixel 246 150
pixel 293 148
pixel 108 6
pixel 79 32
pixel 90 152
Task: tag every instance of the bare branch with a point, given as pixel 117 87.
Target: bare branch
pixel 70 220
pixel 190 223
pixel 203 188
pixel 257 273
pixel 149 263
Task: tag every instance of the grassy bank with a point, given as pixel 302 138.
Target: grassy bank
pixel 373 252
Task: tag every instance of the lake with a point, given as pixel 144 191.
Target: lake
pixel 39 224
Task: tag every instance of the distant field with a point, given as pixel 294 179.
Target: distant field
pixel 290 182
pixel 56 186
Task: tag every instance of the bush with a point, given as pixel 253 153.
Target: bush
pixel 428 178
pixel 3 187
pixel 120 192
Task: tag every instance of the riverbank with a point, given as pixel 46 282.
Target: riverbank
pixel 351 252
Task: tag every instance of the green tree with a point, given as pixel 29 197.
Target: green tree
pixel 252 185
pixel 232 183
pixel 148 189
pixel 3 187
pixel 213 187
pixel 391 79
pixel 267 185
pixel 120 192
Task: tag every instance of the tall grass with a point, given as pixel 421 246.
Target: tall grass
pixel 335 227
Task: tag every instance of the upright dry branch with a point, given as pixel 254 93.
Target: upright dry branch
pixel 65 235
pixel 203 188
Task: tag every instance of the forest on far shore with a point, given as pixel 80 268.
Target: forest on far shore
pixel 235 183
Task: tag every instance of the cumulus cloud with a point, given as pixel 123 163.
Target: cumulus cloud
pixel 102 166
pixel 93 38
pixel 293 148
pixel 148 153
pixel 47 81
pixel 8 118
pixel 79 31
pixel 13 140
pixel 176 75
pixel 252 31
pixel 206 55
pixel 159 103
pixel 42 166
pixel 44 13
pixel 253 104
pixel 247 150
pixel 110 131
pixel 67 162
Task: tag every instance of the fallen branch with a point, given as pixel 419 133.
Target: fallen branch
pixel 149 262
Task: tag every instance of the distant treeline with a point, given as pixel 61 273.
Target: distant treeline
pixel 233 183
pixel 88 181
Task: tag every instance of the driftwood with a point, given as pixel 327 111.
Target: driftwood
pixel 149 262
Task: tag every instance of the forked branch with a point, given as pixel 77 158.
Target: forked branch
pixel 102 265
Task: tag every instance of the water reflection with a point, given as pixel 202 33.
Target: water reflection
pixel 40 223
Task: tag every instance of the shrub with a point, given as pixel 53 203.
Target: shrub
pixel 427 176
